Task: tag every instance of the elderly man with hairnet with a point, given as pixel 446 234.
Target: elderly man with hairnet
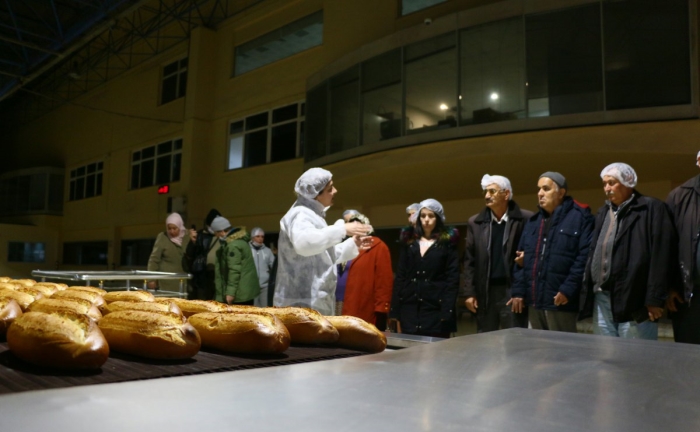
pixel 492 240
pixel 630 266
pixel 309 249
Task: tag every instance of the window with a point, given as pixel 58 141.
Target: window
pixel 282 43
pixel 26 252
pixel 270 136
pixel 410 6
pixel 381 98
pixel 136 252
pixel 174 83
pixel 86 181
pixel 85 253
pixel 32 191
pixel 156 165
pixel 345 106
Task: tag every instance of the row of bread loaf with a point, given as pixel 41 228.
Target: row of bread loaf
pixel 137 323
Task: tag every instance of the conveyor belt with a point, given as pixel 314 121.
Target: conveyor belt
pixel 17 376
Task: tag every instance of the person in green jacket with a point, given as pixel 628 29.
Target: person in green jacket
pixel 236 278
pixel 167 253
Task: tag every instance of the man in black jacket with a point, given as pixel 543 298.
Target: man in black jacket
pixel 630 265
pixel 684 303
pixel 199 259
pixel 492 240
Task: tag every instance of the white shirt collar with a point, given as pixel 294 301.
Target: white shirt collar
pixel 503 219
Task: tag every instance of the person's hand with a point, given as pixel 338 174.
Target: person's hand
pixel 357 229
pixel 519 258
pixel 152 285
pixel 193 235
pixel 560 299
pixel 655 312
pixel 516 304
pixel 671 301
pixel 229 299
pixel 471 304
pixel 363 243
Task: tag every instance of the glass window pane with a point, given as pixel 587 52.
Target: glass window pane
pixel 182 85
pixel 170 69
pixel 136 156
pixel 165 147
pixel 317 117
pixel 183 63
pixel 98 185
pixel 235 127
pixel 256 121
pixel 91 168
pixel 90 186
pixel 71 195
pixel 431 85
pixel 177 162
pixel 381 98
pixel 81 171
pixel 382 71
pixel 410 6
pixel 284 142
pixel 235 152
pixel 492 60
pixel 148 152
pixel 135 170
pixel 80 188
pixel 345 105
pixel 647 60
pixel 288 112
pixel 163 169
pixel 169 89
pixel 302 125
pixel 178 144
pixel 564 66
pixel 303 109
pixel 256 148
pixel 147 171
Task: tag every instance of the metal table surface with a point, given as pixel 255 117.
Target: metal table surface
pixel 511 380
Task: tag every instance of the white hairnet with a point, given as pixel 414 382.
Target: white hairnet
pixel 312 182
pixel 350 212
pixel 257 231
pixel 698 158
pixel 501 181
pixel 412 208
pixel 622 172
pixel 434 206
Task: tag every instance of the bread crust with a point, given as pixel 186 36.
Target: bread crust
pixel 21 296
pixel 356 333
pixel 25 282
pixel 4 279
pixel 92 297
pixel 306 326
pixel 95 290
pixel 77 305
pixel 9 311
pixel 57 286
pixel 191 307
pixel 244 333
pixel 154 335
pixel 143 306
pixel 59 339
pixel 139 296
pixel 46 290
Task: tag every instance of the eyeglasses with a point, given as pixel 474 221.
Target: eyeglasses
pixel 492 191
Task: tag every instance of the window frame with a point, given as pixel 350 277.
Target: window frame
pixel 178 73
pixel 154 158
pixel 99 171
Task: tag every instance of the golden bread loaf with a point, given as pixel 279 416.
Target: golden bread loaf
pixel 58 339
pixel 10 285
pixel 58 286
pixel 23 298
pixel 5 279
pixel 191 307
pixel 245 333
pixel 153 335
pixel 138 296
pixel 92 297
pixel 77 305
pixel 95 290
pixel 306 326
pixel 25 282
pixel 46 290
pixel 9 311
pixel 356 333
pixel 143 306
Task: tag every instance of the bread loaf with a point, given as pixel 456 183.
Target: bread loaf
pixel 25 282
pixel 23 299
pixel 92 297
pixel 76 305
pixel 9 311
pixel 46 290
pixel 356 333
pixel 150 334
pixel 142 306
pixel 10 285
pixel 139 296
pixel 191 307
pixel 306 326
pixel 57 286
pixel 245 333
pixel 92 289
pixel 4 279
pixel 58 339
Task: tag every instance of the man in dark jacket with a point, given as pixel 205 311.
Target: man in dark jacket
pixel 555 243
pixel 630 265
pixel 200 258
pixel 492 239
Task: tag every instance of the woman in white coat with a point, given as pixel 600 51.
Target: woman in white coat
pixel 309 249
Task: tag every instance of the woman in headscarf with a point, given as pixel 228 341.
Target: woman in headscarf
pixel 309 249
pixel 167 252
pixel 425 288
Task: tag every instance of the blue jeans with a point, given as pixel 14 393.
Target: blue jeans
pixel 603 323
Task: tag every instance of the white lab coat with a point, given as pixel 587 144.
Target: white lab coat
pixel 307 255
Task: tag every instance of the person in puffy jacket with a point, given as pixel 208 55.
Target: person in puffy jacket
pixel 555 244
pixel 236 277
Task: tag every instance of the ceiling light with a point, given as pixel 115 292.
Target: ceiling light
pixel 494 96
pixel 443 107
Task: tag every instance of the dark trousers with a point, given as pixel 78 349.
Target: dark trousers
pixel 686 322
pixel 203 286
pixel 496 315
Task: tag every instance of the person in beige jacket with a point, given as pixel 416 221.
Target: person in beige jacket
pixel 168 251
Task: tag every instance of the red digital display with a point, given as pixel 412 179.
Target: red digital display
pixel 162 190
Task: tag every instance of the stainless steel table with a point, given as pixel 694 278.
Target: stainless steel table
pixel 512 380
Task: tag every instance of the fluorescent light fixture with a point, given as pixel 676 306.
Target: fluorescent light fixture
pixel 443 107
pixel 494 96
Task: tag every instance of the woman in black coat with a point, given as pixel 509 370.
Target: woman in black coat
pixel 427 279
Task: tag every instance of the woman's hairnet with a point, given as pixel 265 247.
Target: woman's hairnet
pixel 434 206
pixel 501 181
pixel 622 172
pixel 312 182
pixel 413 208
pixel 257 231
pixel 352 212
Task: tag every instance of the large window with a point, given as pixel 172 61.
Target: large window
pixel 381 98
pixel 174 81
pixel 284 42
pixel 135 253
pixel 32 191
pixel 410 6
pixel 344 89
pixel 86 181
pixel 85 253
pixel 270 136
pixel 156 165
pixel 26 252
